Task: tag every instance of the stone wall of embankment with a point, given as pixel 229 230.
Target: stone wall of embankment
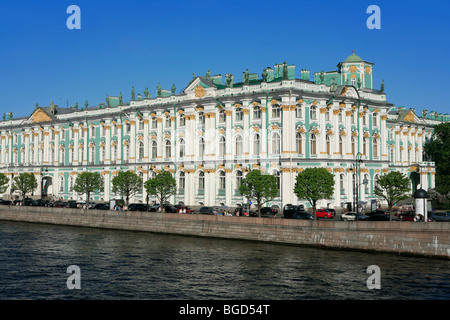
pixel 415 238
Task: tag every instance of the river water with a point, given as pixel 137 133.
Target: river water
pixel 136 265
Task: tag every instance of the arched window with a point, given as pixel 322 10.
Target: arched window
pixel 201 148
pixel 61 184
pixel 181 180
pixel 392 155
pixel 222 146
pixel 354 146
pixel 298 111
pixel 313 144
pixel 222 117
pixel 114 155
pixel 366 185
pixel 71 181
pixel 313 113
pixel 102 154
pixel 168 123
pixel 182 120
pixel 238 179
pixel 127 127
pixel 256 144
pixel 239 114
pixel 201 120
pixel 365 146
pixel 222 180
pixel 328 142
pixel 140 151
pixel 375 119
pixel 201 180
pixel 276 111
pixel 239 145
pixel 275 143
pixel 92 155
pixel 154 150
pixel 126 155
pixel 375 147
pixel 342 183
pixel 341 145
pixel 256 113
pixel 168 149
pixel 277 176
pixel 299 143
pixel 62 156
pixel 182 148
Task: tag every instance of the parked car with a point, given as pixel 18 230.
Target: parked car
pixel 168 208
pixel 206 210
pixel 303 215
pixel 138 207
pixel 289 210
pixel 29 202
pixel 43 203
pixel 154 207
pixel 375 212
pixel 182 208
pixel 324 213
pixel 381 217
pixel 268 212
pixel 440 216
pixel 6 202
pixel 101 206
pixel 61 204
pixel 351 216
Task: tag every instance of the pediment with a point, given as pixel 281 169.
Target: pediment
pixel 199 85
pixel 38 116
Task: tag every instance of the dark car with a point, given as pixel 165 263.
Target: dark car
pixel 138 207
pixel 168 208
pixel 6 202
pixel 61 204
pixel 43 203
pixel 302 215
pixel 440 216
pixel 380 217
pixel 289 210
pixel 101 206
pixel 375 212
pixel 268 212
pixel 206 210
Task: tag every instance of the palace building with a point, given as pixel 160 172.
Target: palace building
pixel 216 130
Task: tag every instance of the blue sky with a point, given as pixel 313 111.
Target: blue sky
pixel 140 43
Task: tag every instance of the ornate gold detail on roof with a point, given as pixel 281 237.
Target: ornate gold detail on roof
pixel 199 91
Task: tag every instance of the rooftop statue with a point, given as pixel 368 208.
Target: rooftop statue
pixel 133 95
pixel 158 89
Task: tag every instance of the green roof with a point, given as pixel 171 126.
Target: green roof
pixel 353 58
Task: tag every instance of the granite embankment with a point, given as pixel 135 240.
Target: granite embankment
pixel 412 238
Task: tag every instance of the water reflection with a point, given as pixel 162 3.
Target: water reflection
pixel 138 265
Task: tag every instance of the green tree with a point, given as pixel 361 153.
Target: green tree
pixel 163 186
pixel 4 181
pixel 438 150
pixel 127 184
pixel 25 183
pixel 314 184
pixel 260 187
pixel 87 183
pixel 392 187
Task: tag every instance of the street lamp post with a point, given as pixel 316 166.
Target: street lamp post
pixel 358 160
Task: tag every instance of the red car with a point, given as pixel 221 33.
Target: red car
pixel 323 213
